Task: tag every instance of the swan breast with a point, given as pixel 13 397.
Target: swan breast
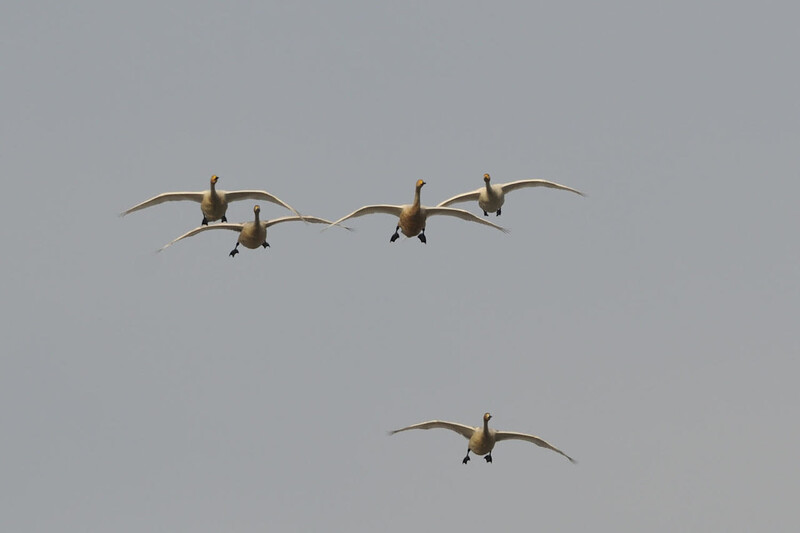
pixel 412 220
pixel 481 442
pixel 492 199
pixel 253 235
pixel 214 205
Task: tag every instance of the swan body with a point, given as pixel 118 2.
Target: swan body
pixel 252 234
pixel 482 439
pixel 492 197
pixel 213 202
pixel 412 218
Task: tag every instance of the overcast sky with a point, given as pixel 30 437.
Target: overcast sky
pixel 649 329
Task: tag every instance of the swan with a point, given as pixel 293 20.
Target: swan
pixel 251 234
pixel 213 203
pixel 482 440
pixel 491 197
pixel 412 217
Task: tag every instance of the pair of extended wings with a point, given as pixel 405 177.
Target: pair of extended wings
pixel 230 196
pixel 238 227
pixel 468 431
pixel 507 188
pixel 429 211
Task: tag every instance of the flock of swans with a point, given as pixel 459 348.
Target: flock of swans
pixel 412 220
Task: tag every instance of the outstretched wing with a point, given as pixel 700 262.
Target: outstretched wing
pixel 165 197
pixel 225 225
pixel 514 185
pixel 312 220
pixel 233 196
pixel 505 435
pixel 369 210
pixel 464 197
pixel 464 215
pixel 461 429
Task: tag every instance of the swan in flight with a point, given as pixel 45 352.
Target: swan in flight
pixel 491 197
pixel 213 203
pixel 412 218
pixel 482 440
pixel 251 234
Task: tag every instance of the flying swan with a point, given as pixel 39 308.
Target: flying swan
pixel 251 234
pixel 491 197
pixel 412 218
pixel 482 440
pixel 213 203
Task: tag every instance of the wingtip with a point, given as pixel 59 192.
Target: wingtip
pixel 348 228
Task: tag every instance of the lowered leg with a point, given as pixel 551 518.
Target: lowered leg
pixel 466 459
pixel 235 250
pixel 224 219
pixel 204 222
pixel 498 211
pixel 396 234
pixel 421 237
pixel 485 214
pixel 265 244
pixel 488 457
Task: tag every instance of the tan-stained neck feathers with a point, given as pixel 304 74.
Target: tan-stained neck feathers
pixel 416 203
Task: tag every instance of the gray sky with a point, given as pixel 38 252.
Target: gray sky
pixel 648 330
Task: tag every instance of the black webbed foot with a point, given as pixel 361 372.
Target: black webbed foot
pixel 204 222
pixel 396 235
pixel 224 219
pixel 485 214
pixel 421 237
pixel 498 212
pixel 466 458
pixel 235 250
pixel 265 244
pixel 488 458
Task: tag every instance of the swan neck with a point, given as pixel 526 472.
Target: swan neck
pixel 416 197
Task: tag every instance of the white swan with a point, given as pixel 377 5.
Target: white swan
pixel 213 203
pixel 482 440
pixel 251 234
pixel 491 197
pixel 412 218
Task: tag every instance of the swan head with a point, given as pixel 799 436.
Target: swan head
pixel 214 179
pixel 256 209
pixel 420 183
pixel 486 417
pixel 486 178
